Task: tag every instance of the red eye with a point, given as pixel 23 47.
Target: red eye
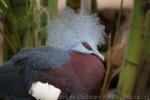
pixel 86 45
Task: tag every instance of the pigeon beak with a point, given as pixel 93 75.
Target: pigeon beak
pixel 99 55
pixel 96 52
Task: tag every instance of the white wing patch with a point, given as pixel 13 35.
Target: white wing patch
pixel 44 91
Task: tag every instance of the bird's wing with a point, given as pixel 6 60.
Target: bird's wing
pixel 32 61
pixel 25 67
pixel 41 58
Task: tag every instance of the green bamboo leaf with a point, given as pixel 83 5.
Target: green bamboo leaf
pixel 4 3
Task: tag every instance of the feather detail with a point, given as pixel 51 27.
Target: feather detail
pixel 77 28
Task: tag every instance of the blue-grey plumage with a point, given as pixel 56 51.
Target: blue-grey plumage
pixel 17 75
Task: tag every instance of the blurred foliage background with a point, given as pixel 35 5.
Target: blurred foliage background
pixel 23 24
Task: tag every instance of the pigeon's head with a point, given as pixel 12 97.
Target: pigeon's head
pixel 77 32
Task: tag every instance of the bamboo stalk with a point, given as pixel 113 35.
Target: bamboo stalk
pixel 52 8
pixel 144 72
pixel 85 6
pixel 1 41
pixel 62 4
pixel 1 48
pixel 133 54
pixel 37 23
pixel 28 40
pixel 117 35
